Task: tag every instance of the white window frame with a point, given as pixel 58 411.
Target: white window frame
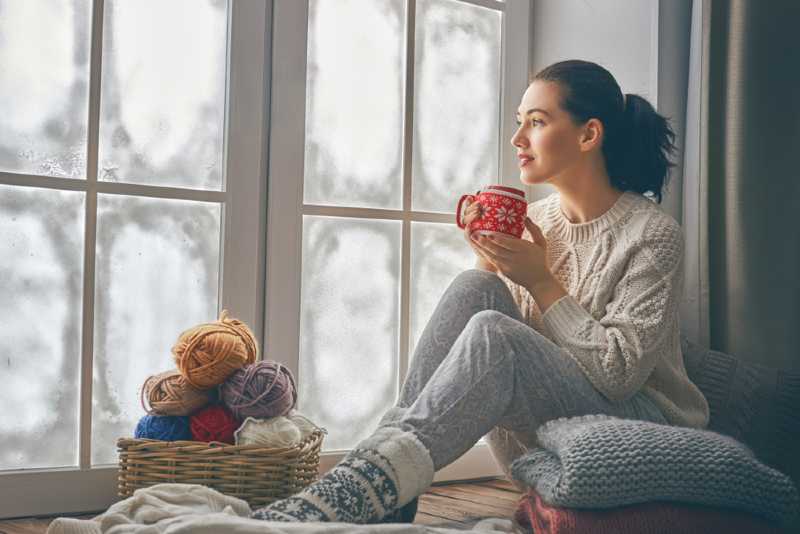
pixel 85 488
pixel 285 198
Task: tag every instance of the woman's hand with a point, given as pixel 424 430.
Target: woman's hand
pixel 472 212
pixel 522 261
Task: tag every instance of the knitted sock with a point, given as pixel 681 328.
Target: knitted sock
pixel 404 514
pixel 381 474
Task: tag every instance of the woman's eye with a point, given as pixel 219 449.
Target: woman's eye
pixel 535 121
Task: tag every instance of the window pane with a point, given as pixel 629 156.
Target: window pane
pixel 438 254
pixel 354 103
pixel 157 275
pixel 457 99
pixel 44 83
pixel 163 92
pixel 41 286
pixel 349 325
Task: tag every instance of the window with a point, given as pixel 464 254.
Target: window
pixel 131 186
pixel 383 113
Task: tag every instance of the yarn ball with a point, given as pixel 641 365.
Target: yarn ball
pixel 277 432
pixel 262 390
pixel 303 423
pixel 213 423
pixel 164 427
pixel 168 393
pixel 206 354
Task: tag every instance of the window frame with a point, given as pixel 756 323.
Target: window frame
pixel 285 197
pixel 49 491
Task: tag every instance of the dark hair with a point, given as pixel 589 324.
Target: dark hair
pixel 638 141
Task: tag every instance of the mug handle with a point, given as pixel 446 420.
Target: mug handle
pixel 459 220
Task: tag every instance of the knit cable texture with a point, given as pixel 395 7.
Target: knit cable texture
pixel 599 461
pixel 623 273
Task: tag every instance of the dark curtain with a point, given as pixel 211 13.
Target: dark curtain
pixel 741 186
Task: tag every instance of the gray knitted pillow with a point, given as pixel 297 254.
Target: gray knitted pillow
pixel 599 461
pixel 752 403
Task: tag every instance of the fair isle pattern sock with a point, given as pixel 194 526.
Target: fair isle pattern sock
pixel 384 472
pixel 359 489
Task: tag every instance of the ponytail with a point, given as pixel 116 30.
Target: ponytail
pixel 640 159
pixel 638 141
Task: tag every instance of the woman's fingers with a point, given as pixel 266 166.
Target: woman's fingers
pixel 536 233
pixel 494 249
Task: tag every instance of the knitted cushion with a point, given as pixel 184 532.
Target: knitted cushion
pixel 535 515
pixel 599 461
pixel 751 403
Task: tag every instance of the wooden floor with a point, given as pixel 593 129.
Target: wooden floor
pixel 466 503
pixel 463 503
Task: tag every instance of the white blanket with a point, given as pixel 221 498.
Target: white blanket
pixel 195 509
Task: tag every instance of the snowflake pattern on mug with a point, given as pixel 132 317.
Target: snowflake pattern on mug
pixel 505 214
pixel 501 213
pixel 503 210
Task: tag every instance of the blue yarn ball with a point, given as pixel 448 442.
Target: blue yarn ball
pixel 164 427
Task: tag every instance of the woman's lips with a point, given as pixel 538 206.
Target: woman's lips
pixel 524 161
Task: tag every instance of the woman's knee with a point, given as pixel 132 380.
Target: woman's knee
pixel 491 328
pixel 478 281
pixel 486 320
pixel 477 277
pixel 499 327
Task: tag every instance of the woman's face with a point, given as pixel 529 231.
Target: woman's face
pixel 547 141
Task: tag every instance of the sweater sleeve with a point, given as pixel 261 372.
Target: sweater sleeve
pixel 618 352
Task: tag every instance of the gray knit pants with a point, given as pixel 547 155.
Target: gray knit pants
pixel 478 369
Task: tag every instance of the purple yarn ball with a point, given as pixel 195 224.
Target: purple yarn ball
pixel 262 390
pixel 164 428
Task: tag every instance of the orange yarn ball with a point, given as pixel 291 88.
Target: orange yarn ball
pixel 206 354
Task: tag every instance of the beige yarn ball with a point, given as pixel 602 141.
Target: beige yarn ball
pixel 207 354
pixel 305 425
pixel 275 432
pixel 168 393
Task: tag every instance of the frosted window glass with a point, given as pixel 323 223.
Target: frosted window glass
pixel 349 325
pixel 157 275
pixel 163 92
pixel 41 285
pixel 44 83
pixel 354 103
pixel 457 101
pixel 438 254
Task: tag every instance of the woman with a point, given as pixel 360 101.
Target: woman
pixel 578 317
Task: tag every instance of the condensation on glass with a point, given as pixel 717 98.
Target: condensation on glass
pixel 162 106
pixel 456 102
pixel 157 274
pixel 44 83
pixel 354 103
pixel 438 254
pixel 41 288
pixel 349 325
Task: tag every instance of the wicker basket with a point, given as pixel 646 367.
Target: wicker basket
pixel 253 473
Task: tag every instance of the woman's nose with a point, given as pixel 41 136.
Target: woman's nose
pixel 518 140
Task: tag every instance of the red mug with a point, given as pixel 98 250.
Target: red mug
pixel 504 211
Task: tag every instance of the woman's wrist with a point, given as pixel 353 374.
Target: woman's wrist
pixel 546 291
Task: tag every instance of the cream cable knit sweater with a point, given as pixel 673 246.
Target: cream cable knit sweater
pixel 623 273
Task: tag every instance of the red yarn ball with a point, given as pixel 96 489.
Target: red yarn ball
pixel 213 423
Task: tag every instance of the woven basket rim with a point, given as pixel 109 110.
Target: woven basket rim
pixel 144 444
pixel 254 473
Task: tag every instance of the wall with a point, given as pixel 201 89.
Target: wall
pixel 643 43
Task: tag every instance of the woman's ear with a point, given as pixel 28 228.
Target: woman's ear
pixel 592 135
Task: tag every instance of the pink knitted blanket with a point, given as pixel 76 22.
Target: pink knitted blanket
pixel 538 517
